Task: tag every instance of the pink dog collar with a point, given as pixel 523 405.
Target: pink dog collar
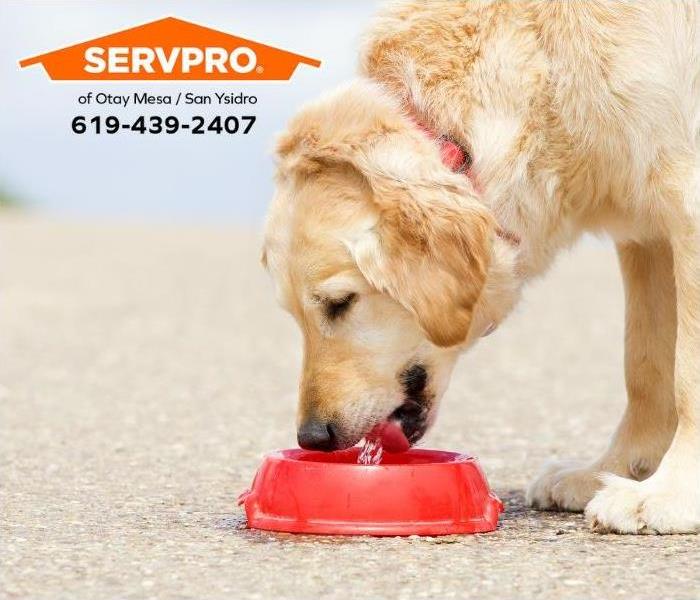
pixel 453 155
pixel 458 159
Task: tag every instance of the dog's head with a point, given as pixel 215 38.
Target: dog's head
pixel 380 253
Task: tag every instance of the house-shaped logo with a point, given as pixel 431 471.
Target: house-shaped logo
pixel 169 49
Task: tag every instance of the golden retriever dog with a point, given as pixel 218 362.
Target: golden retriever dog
pixel 567 117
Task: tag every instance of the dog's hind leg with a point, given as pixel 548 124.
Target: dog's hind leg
pixel 649 420
pixel 669 500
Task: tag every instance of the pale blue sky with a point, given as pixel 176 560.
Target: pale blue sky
pixel 158 178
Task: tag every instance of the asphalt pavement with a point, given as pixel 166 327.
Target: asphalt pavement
pixel 145 370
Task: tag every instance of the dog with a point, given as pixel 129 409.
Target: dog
pixel 565 117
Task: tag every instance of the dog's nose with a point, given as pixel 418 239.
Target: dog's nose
pixel 315 434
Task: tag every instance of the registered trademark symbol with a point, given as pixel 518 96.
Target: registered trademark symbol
pixel 259 69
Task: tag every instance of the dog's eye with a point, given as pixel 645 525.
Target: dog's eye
pixel 337 308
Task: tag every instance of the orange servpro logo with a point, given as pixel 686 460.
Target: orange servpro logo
pixel 169 49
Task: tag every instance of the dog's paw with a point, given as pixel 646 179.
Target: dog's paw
pixel 652 506
pixel 563 485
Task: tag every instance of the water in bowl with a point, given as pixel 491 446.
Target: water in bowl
pixel 371 452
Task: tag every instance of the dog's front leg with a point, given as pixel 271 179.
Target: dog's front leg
pixel 669 500
pixel 649 422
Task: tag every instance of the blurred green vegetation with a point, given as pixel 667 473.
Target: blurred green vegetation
pixel 6 199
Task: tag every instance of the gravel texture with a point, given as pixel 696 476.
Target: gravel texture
pixel 145 371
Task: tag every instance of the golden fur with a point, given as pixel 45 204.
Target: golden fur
pixel 580 116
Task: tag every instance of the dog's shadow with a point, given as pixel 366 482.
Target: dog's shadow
pixel 518 516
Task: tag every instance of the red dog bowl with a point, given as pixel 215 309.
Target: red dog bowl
pixel 419 492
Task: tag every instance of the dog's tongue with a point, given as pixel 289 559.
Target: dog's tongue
pixel 391 436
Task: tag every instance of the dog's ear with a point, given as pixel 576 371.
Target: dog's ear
pixel 431 245
pixel 431 256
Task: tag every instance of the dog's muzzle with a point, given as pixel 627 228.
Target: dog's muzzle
pixel 413 413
